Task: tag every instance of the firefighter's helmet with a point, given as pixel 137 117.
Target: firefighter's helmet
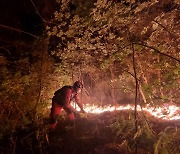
pixel 78 84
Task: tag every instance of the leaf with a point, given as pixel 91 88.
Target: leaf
pixel 138 133
pixel 157 146
pixel 163 151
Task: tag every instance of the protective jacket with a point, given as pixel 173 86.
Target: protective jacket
pixel 64 95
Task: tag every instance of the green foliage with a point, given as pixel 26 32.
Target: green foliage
pixel 124 129
pixel 19 86
pixel 165 142
pixel 13 96
pixel 94 42
pixel 97 36
pixel 123 126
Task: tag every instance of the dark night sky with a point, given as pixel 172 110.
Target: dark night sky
pixel 21 14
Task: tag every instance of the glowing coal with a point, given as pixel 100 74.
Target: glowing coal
pixel 170 112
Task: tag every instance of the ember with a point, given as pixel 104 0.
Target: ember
pixel 167 112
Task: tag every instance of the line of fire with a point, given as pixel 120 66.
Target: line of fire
pixel 89 77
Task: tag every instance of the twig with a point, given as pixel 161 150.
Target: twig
pixel 29 135
pixel 40 14
pixel 14 145
pixel 172 36
pixel 18 30
pixel 158 51
pixel 131 75
pixel 150 47
pixel 37 11
pixel 5 50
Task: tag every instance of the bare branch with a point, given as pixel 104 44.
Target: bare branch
pixel 40 14
pixel 18 30
pixel 166 30
pixel 5 50
pixel 156 50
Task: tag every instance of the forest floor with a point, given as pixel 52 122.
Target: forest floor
pixel 105 133
pixel 98 134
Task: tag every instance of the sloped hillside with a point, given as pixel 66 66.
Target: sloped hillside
pixel 106 133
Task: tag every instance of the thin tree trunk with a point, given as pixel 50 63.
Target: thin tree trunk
pixel 100 90
pixel 45 48
pixel 145 81
pixel 81 79
pixel 136 95
pixel 112 87
pixel 142 94
pixel 72 75
pixel 159 77
pixel 112 84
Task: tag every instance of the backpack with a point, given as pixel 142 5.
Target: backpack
pixel 59 95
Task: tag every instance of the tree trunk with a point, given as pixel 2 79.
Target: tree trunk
pixel 112 85
pixel 159 78
pixel 136 95
pixel 145 80
pixel 142 94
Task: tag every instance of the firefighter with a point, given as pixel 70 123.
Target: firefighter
pixel 61 100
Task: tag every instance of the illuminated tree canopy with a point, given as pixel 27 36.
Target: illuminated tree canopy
pixel 126 53
pixel 99 39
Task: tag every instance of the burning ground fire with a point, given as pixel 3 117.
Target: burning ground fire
pixel 170 112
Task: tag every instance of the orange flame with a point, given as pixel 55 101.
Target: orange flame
pixel 170 112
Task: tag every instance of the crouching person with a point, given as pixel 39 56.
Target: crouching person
pixel 62 99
